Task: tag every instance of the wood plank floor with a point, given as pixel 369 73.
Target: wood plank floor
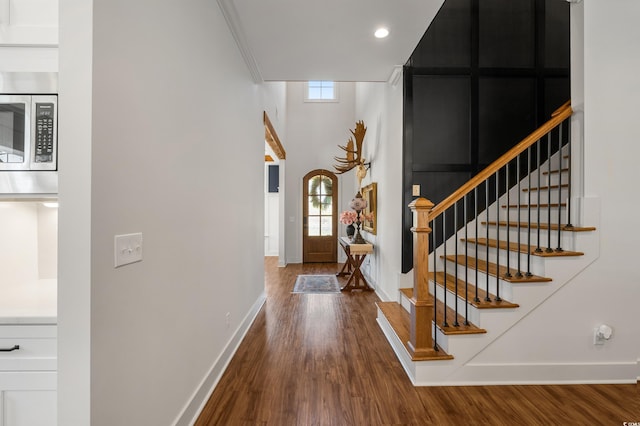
pixel 321 359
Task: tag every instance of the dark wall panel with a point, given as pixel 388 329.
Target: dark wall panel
pixel 441 118
pixel 506 114
pixel 510 42
pixel 557 91
pixel 435 184
pixel 557 53
pixel 448 43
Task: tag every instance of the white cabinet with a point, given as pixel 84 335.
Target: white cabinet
pixel 28 375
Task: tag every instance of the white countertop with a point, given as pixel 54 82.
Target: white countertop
pixel 32 302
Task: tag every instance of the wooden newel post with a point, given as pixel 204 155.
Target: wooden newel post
pixel 420 337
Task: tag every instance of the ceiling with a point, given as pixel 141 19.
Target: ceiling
pixel 299 40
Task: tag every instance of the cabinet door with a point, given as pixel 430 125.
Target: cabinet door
pixel 28 408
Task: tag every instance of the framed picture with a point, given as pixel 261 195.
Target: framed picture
pixel 370 193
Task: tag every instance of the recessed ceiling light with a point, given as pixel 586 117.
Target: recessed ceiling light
pixel 381 33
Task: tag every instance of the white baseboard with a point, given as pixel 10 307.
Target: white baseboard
pixel 196 403
pixel 534 374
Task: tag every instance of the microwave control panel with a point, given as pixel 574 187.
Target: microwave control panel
pixel 44 137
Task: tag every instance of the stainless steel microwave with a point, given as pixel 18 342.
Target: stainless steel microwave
pixel 28 132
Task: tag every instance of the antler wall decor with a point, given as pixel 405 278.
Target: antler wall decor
pixel 353 157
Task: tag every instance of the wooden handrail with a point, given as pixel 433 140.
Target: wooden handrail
pixel 561 108
pixel 558 117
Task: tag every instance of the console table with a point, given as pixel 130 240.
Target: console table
pixel 355 256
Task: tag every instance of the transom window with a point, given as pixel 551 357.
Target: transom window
pixel 321 91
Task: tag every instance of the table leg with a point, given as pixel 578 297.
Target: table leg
pixel 347 264
pixel 356 277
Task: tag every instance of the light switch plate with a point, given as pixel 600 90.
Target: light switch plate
pixel 415 190
pixel 127 249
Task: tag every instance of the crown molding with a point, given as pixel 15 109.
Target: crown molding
pixel 396 75
pixel 233 21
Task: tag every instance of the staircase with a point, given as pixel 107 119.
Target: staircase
pixel 504 244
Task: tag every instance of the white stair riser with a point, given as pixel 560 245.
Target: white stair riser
pixel 554 178
pixel 547 238
pixel 535 263
pixel 540 196
pixel 505 287
pixel 471 312
pixel 541 215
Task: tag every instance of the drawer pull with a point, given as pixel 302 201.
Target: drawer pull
pixel 15 348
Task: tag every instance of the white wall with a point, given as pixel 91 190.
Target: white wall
pixel 47 241
pixel 168 141
pixel 380 106
pixel 74 213
pixel 611 150
pixel 19 243
pixel 313 132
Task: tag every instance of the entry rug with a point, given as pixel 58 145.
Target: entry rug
pixel 316 284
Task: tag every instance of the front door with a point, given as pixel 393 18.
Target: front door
pixel 320 217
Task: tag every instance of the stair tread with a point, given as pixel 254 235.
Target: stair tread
pixel 504 206
pixel 523 248
pixel 400 321
pixel 451 314
pixel 471 293
pixel 554 226
pixel 539 188
pixel 493 269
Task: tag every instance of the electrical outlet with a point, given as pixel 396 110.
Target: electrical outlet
pixel 127 249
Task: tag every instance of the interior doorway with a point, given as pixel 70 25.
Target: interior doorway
pixel 320 217
pixel 275 157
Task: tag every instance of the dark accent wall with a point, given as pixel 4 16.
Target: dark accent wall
pixel 485 74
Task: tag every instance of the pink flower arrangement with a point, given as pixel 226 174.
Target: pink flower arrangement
pixel 348 217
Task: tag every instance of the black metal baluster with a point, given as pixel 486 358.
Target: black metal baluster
pixel 497 237
pixel 569 167
pixel 519 273
pixel 538 167
pixel 444 243
pixel 455 240
pixel 435 286
pixel 549 249
pixel 529 171
pixel 466 263
pixel 475 199
pixel 508 274
pixel 486 209
pixel 559 248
